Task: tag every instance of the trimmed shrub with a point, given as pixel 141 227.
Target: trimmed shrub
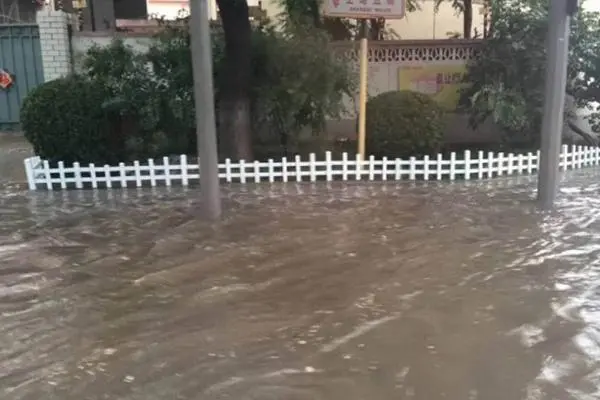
pixel 403 124
pixel 64 120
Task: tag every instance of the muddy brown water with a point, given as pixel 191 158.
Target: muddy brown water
pixel 358 291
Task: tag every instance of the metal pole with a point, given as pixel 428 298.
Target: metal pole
pixel 205 109
pixel 362 98
pixel 552 123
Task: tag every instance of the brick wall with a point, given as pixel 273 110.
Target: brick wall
pixel 54 41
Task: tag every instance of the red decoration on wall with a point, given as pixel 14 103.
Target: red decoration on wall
pixel 6 79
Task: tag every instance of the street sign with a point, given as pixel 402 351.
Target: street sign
pixel 388 9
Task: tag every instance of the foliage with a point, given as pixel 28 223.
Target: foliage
pixel 155 113
pixel 296 85
pixel 64 120
pixel 403 123
pixel 464 8
pixel 508 75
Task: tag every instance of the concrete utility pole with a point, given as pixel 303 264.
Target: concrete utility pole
pixel 205 108
pixel 554 103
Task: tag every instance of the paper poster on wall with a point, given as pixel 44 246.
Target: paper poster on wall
pixel 442 82
pixel 6 79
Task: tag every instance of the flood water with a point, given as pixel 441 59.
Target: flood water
pixel 337 292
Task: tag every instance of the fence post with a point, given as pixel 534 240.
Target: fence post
pixel 371 167
pixel 328 166
pixel 242 171
pixel 345 166
pixel 184 170
pixel 167 170
pixel 30 173
pixel 490 162
pixel 93 176
pixel 152 172
pixel 138 176
pixel 107 176
pixel 467 165
pixel 284 169
pixel 48 175
pixel 500 164
pixel 77 173
pixel 271 171
pixel 412 169
pixel 511 161
pixel 566 157
pixel 122 175
pixel 438 167
pixel 298 168
pixel 480 164
pixel 256 168
pixel 384 171
pixel 426 168
pixel 452 166
pixel 61 175
pixel 313 167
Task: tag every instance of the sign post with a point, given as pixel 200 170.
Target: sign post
pixel 363 91
pixel 363 10
pixel 205 108
pixel 554 103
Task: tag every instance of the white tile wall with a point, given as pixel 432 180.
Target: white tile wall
pixel 54 40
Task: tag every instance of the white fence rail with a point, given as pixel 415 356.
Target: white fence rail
pixel 468 165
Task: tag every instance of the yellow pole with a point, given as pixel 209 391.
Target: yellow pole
pixel 362 100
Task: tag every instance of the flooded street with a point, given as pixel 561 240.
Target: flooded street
pixel 336 292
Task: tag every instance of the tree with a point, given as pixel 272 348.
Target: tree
pixel 464 7
pixel 508 75
pixel 298 84
pixel 294 81
pixel 234 98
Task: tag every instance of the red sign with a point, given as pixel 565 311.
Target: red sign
pixel 6 79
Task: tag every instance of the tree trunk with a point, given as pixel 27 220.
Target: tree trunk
pixel 467 18
pixel 377 26
pixel 234 97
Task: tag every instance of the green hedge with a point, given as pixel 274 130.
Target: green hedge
pixel 64 120
pixel 403 123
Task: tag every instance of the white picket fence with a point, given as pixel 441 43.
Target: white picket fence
pixel 467 166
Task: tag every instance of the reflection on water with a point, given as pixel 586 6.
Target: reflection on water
pixel 366 291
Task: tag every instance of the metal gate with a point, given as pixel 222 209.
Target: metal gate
pixel 20 70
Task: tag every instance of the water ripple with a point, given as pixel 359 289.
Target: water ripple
pixel 303 291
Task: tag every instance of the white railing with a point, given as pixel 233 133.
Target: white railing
pixel 466 166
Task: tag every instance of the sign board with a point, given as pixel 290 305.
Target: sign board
pixel 79 4
pixel 442 81
pixel 388 9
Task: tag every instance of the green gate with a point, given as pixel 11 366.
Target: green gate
pixel 21 59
